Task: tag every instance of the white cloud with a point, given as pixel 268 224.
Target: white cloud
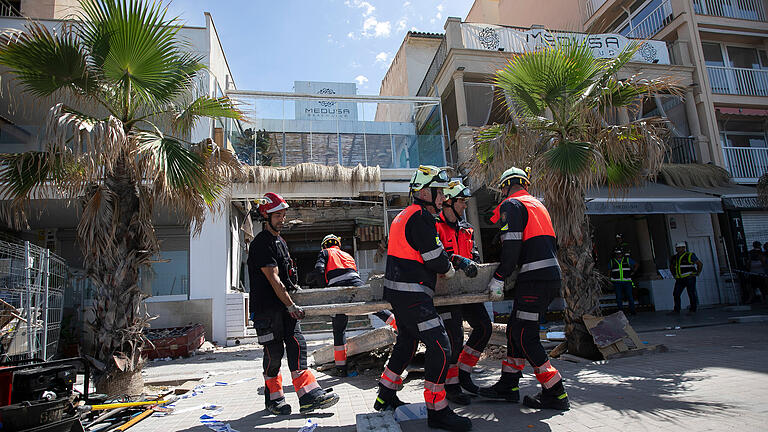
pixel 401 25
pixel 414 29
pixel 406 4
pixel 351 35
pixel 439 15
pixel 369 8
pixel 354 64
pixel 440 7
pixel 432 20
pixel 382 57
pixel 380 28
pixel 361 79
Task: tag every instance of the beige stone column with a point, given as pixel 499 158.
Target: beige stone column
pixel 464 141
pixel 461 97
pixel 694 126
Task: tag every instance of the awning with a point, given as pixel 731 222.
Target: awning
pixel 653 198
pixel 743 111
pixel 735 197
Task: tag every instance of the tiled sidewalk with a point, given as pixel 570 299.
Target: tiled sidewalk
pixel 713 378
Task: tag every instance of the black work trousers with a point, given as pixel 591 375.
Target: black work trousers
pixel 689 284
pixel 417 320
pixel 532 298
pixel 280 334
pixel 477 316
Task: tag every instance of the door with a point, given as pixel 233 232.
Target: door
pixel 707 285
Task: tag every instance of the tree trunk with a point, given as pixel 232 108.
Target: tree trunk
pixel 581 281
pixel 114 251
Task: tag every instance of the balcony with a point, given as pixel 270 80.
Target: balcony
pixel 746 164
pixel 738 81
pixel 681 150
pixel 752 10
pixel 656 20
pixel 286 129
pixel 593 6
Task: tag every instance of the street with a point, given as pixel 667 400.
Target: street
pixel 713 378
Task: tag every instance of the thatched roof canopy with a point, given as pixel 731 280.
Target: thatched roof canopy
pixel 694 175
pixel 312 172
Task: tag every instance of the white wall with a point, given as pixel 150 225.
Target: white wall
pixel 208 269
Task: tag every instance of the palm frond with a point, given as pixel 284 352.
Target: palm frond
pixel 205 106
pixel 46 62
pixel 569 158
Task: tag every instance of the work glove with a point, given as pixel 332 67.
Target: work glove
pixel 465 264
pixel 449 274
pixel 496 288
pixel 295 311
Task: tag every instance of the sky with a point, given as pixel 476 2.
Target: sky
pixel 269 44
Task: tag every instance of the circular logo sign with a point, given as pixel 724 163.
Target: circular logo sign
pixel 648 52
pixel 489 39
pixel 326 91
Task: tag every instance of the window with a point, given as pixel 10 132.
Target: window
pixel 713 55
pixel 169 274
pixel 743 58
pixel 740 133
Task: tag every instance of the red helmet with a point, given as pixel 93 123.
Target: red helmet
pixel 271 203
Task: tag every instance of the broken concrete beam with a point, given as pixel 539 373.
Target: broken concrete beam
pixel 365 342
pixel 458 285
pixel 363 308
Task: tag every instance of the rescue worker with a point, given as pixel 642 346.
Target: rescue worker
pixel 336 268
pixel 415 257
pixel 623 267
pixel 685 267
pixel 457 238
pixel 528 241
pixel 275 316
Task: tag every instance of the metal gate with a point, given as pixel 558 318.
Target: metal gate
pixel 32 282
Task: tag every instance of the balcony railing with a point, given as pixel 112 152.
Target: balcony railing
pixel 746 164
pixel 682 150
pixel 741 9
pixel 593 6
pixel 434 68
pixel 655 21
pixel 738 81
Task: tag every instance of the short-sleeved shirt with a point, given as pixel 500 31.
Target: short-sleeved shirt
pixel 267 250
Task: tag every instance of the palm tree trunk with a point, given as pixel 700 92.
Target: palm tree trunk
pixel 581 281
pixel 120 317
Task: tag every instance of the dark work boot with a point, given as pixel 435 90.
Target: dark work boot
pixel 342 371
pixel 448 420
pixel 465 380
pixel 277 406
pixel 317 399
pixel 386 399
pixel 506 389
pixel 454 394
pixel 553 398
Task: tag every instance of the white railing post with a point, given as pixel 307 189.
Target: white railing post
pixel 741 9
pixel 28 289
pixel 47 266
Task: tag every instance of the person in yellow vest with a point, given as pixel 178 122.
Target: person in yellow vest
pixel 623 267
pixel 685 267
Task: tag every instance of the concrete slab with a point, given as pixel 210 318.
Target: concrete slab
pixel 377 422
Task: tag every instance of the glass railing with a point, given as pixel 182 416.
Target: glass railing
pixel 286 130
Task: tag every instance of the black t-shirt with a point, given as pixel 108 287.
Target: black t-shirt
pixel 266 250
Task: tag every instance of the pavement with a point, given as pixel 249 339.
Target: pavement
pixel 713 378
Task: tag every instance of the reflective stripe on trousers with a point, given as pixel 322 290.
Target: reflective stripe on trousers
pixel 304 382
pixel 409 287
pixel 345 276
pixel 434 396
pixel 537 265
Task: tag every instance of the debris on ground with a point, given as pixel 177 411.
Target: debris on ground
pixel 615 337
pixel 173 341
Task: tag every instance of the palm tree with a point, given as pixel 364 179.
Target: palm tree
pixel 561 102
pixel 124 97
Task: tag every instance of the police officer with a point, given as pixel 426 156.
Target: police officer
pixel 415 257
pixel 336 268
pixel 623 267
pixel 275 316
pixel 685 267
pixel 457 238
pixel 528 241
